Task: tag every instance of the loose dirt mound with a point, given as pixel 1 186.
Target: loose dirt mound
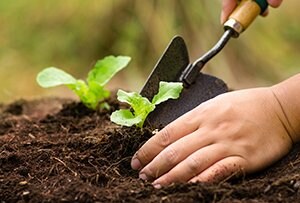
pixel 56 150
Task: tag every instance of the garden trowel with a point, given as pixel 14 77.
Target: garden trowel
pixel 174 66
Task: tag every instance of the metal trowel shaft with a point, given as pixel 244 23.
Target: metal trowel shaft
pixel 238 21
pixel 189 75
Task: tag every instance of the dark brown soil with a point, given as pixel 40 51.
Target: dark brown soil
pixel 56 150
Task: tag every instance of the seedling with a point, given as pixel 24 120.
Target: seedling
pixel 91 93
pixel 141 106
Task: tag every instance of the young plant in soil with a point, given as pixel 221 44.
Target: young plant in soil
pixel 92 92
pixel 141 106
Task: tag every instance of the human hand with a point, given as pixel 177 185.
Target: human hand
pixel 229 5
pixel 240 131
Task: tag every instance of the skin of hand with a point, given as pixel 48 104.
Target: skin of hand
pixel 237 132
pixel 229 5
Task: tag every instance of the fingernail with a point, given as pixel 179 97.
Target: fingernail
pixel 135 164
pixel 157 186
pixel 143 176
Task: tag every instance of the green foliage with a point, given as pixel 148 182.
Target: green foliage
pixel 141 106
pixel 92 92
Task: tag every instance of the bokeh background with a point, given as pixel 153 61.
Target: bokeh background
pixel 73 34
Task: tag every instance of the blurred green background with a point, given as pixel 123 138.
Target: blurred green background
pixel 73 34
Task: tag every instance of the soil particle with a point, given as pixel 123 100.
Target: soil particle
pixel 56 150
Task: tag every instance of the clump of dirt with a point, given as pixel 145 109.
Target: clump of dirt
pixel 56 150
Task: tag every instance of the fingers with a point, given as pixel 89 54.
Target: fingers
pixel 227 8
pixel 175 153
pixel 275 3
pixel 194 164
pixel 229 5
pixel 184 125
pixel 233 165
pixel 266 13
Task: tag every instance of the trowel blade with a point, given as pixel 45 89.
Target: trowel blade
pixel 204 88
pixel 169 68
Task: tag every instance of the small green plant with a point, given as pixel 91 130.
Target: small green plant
pixel 141 106
pixel 92 92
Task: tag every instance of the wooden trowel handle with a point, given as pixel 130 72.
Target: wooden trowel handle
pixel 244 14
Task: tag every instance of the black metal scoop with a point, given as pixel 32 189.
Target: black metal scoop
pixel 171 68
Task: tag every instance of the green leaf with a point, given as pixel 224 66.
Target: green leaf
pixel 142 106
pixel 90 95
pixel 167 90
pixel 125 117
pixel 106 68
pixel 132 98
pixel 92 92
pixel 52 76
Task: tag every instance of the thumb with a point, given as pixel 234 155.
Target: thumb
pixel 227 8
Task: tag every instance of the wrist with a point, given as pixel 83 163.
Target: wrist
pixel 287 94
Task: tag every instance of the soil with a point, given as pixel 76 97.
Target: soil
pixel 56 150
